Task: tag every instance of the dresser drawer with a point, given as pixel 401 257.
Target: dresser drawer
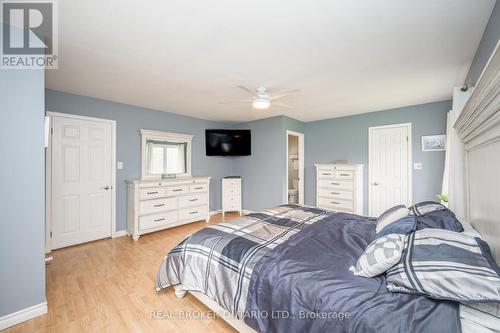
pixel 228 200
pixel 158 205
pixel 192 200
pixel 336 184
pixel 232 183
pixel 334 204
pixel 232 206
pixel 176 190
pixel 198 188
pixel 157 220
pixel 229 192
pixel 196 213
pixel 345 175
pixel 337 194
pixel 151 193
pixel 327 174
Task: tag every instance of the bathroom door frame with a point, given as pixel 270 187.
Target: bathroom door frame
pixel 301 166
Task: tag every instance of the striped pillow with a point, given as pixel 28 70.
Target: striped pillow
pixel 391 215
pixel 446 265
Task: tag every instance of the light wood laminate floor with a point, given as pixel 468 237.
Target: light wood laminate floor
pixel 109 286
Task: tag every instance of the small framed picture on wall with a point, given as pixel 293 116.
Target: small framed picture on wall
pixel 434 142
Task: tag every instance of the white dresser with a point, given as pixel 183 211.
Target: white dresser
pixel 154 205
pixel 231 195
pixel 339 187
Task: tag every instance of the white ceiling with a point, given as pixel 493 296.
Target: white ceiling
pixel 346 56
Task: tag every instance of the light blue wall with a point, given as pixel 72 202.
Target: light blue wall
pixel 129 120
pixel 486 47
pixel 22 197
pixel 346 138
pixel 262 172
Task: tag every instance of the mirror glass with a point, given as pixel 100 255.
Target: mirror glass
pixel 166 157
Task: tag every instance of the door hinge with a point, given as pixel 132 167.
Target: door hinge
pixel 406 139
pixel 51 131
pixel 51 234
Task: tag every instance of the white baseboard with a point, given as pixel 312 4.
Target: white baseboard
pixel 120 233
pixel 23 315
pixel 246 211
pixel 214 212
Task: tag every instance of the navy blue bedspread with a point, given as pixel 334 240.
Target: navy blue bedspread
pixel 304 285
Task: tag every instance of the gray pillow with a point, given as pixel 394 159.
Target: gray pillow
pixel 446 265
pixel 391 215
pixel 379 256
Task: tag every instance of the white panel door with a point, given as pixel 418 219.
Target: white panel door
pixel 81 181
pixel 389 167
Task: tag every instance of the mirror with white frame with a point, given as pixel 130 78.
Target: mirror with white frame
pixel 165 153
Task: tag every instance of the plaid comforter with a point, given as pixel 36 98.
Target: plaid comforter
pixel 219 259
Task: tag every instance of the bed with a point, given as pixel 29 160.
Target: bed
pixel 286 269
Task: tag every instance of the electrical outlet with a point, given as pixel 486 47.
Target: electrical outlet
pixel 119 165
pixel 417 166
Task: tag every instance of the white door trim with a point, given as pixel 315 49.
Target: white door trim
pixel 410 163
pixel 48 176
pixel 301 165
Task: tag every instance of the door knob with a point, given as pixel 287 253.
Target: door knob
pixel 375 184
pixel 105 188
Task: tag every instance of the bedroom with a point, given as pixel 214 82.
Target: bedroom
pixel 204 121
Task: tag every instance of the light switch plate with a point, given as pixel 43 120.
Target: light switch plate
pixel 119 165
pixel 417 166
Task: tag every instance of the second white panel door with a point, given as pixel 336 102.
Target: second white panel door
pixel 389 167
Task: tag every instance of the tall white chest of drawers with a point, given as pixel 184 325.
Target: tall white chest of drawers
pixel 339 187
pixel 154 205
pixel 231 195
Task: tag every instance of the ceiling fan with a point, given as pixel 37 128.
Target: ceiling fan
pixel 263 99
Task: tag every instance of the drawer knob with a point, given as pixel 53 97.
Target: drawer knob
pixel 158 220
pixel 198 188
pixel 335 183
pixel 335 202
pixel 155 192
pixel 177 190
pixel 193 200
pixel 160 205
pixel 195 212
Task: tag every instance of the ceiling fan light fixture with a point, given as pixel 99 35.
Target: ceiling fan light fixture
pixel 261 103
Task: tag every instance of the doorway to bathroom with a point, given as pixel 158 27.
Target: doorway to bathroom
pixel 295 167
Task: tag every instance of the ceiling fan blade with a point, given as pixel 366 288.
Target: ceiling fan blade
pixel 282 94
pixel 278 103
pixel 236 101
pixel 248 90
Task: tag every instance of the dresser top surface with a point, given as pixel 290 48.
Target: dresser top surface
pixel 169 181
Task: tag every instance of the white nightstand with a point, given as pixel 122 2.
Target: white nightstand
pixel 231 195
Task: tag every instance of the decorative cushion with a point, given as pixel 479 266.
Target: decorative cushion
pixel 379 256
pixel 432 214
pixel 391 215
pixel 404 226
pixel 446 265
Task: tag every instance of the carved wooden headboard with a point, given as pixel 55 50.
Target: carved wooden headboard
pixel 479 128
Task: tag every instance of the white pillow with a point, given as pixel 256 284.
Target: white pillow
pixel 380 255
pixel 391 215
